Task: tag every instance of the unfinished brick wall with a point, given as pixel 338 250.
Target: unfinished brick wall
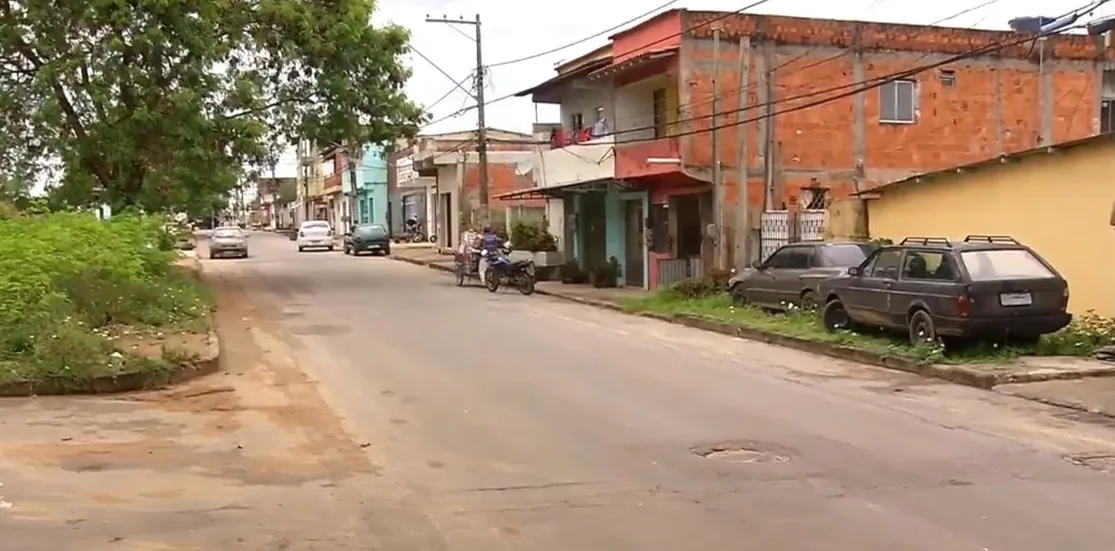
pixel 996 104
pixel 502 178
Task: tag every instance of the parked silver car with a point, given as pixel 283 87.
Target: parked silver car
pixel 789 277
pixel 228 241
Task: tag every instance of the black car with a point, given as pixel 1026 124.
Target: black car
pixel 372 238
pixel 789 277
pixel 984 288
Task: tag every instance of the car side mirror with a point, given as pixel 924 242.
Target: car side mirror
pixel 853 271
pixel 757 265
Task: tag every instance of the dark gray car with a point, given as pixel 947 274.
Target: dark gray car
pixel 789 277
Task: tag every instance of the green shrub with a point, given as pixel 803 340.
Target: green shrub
pixel 1084 335
pixel 67 277
pixel 693 288
pixel 532 236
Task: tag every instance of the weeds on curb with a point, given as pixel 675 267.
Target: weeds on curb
pixel 696 298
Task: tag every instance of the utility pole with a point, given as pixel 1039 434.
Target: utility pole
pixel 482 129
pixel 717 177
pixel 743 198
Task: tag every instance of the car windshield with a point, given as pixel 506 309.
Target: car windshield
pixel 370 231
pixel 227 233
pixel 1000 264
pixel 316 226
pixel 844 255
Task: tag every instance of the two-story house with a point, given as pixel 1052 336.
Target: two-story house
pixel 633 160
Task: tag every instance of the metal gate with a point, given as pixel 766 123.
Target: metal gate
pixel 776 229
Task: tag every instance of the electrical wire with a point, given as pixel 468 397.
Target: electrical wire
pixel 837 55
pixel 583 40
pixel 861 86
pixel 857 87
pixel 720 17
pixel 459 84
pixel 874 81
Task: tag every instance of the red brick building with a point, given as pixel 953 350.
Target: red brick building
pixel 655 90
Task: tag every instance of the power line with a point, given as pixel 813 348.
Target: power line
pixel 458 84
pixel 641 47
pixel 839 55
pixel 861 86
pixel 858 87
pixel 583 40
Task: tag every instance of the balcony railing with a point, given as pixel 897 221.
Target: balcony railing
pixel 562 137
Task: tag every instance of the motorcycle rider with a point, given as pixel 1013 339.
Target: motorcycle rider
pixel 491 243
pixel 412 224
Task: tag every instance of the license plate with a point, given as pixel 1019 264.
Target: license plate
pixel 1016 299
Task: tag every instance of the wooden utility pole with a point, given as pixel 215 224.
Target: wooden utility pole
pixel 743 199
pixel 482 125
pixel 717 177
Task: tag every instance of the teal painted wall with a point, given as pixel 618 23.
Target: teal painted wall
pixel 371 187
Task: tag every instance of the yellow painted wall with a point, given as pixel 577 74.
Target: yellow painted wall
pixel 1059 204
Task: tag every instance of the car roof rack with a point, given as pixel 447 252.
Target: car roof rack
pixel 990 239
pixel 925 241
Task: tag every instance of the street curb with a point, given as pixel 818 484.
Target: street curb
pixel 959 374
pixel 1067 404
pixel 125 382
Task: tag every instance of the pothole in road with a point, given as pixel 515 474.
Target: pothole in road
pixel 742 452
pixel 1104 463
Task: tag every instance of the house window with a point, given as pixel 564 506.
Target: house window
pixel 1107 116
pixel 948 78
pixel 659 103
pixel 896 102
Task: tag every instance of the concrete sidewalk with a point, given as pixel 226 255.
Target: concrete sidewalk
pixel 585 294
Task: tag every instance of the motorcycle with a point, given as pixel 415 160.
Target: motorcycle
pixel 504 271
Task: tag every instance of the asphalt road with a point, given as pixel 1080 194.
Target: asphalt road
pixel 507 422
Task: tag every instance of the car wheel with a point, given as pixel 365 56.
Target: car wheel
pixel 808 301
pixel 212 256
pixel 738 298
pixel 836 317
pixel 922 330
pixel 301 249
pixel 347 251
pixel 330 247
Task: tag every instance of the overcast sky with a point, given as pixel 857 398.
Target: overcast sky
pixel 516 29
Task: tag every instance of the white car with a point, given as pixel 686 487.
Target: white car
pixel 315 234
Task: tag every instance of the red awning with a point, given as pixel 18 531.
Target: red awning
pixel 639 60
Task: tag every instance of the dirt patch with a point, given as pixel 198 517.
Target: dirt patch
pixel 154 344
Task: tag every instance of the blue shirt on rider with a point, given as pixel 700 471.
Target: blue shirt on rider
pixel 490 242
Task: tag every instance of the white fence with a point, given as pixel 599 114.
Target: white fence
pixel 780 227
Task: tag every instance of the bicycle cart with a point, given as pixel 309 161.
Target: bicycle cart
pixel 467 266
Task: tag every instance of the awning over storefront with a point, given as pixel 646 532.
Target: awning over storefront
pixel 557 191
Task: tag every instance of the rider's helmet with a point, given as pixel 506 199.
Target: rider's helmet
pixel 487 229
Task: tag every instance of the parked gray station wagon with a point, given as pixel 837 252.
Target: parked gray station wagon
pixel 985 288
pixel 791 274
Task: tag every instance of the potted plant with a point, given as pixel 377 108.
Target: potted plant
pixel 534 239
pixel 607 275
pixel 571 273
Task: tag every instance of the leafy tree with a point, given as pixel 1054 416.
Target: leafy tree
pixel 160 103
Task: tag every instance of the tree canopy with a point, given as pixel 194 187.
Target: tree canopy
pixel 159 103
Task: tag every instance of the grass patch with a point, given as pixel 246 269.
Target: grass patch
pixel 1081 338
pixel 70 284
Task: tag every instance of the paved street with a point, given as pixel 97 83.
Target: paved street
pixel 415 415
